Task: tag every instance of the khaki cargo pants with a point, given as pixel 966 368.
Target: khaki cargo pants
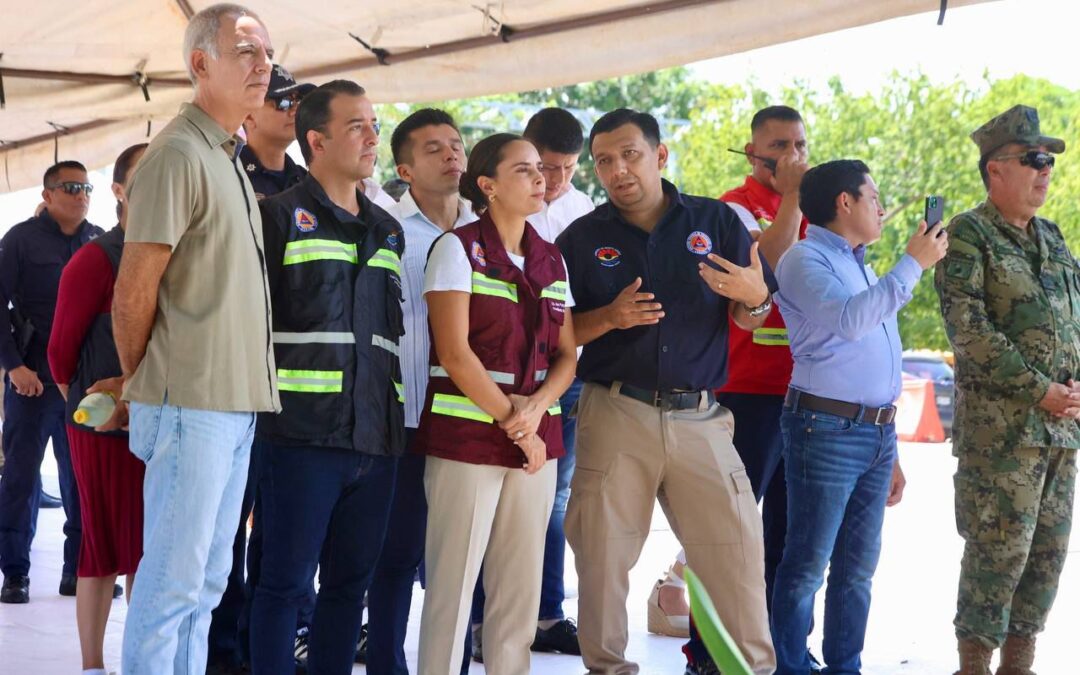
pixel 629 454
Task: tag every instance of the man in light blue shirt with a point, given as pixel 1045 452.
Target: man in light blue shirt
pixel 839 438
pixel 430 157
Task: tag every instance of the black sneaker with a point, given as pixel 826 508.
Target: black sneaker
pixel 300 647
pixel 16 590
pixel 561 638
pixel 361 646
pixel 69 582
pixel 705 668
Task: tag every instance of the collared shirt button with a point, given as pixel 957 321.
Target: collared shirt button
pixel 664 349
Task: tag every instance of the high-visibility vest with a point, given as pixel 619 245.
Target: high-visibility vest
pixel 514 323
pixel 337 322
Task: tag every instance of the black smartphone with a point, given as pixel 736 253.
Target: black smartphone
pixel 934 211
pixel 770 164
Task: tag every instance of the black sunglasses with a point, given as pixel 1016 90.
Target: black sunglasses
pixel 73 187
pixel 1034 158
pixel 283 104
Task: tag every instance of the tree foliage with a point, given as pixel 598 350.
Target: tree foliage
pixel 912 132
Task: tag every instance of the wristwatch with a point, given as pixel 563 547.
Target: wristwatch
pixel 760 309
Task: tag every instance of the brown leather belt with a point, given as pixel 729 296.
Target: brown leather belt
pixel 800 400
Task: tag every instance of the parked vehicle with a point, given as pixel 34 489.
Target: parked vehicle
pixel 933 367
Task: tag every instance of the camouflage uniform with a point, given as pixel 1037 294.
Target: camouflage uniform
pixel 1011 304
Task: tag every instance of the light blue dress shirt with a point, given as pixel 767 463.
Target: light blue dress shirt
pixel 420 234
pixel 841 319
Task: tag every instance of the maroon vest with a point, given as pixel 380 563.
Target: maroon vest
pixel 514 323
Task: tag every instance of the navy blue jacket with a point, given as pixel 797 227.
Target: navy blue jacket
pixel 265 182
pixel 32 256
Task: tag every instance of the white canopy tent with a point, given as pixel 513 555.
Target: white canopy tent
pixel 83 79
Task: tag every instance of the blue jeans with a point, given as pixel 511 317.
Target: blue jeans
pixel 196 468
pixel 838 475
pixel 552 591
pixel 324 508
pixel 29 423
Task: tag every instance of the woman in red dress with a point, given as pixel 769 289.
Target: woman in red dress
pixel 82 354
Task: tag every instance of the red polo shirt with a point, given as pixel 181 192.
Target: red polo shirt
pixel 760 361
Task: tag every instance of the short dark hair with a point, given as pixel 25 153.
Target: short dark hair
pixel 125 161
pixel 782 113
pixel 54 170
pixel 822 184
pixel 483 161
pixel 123 165
pixel 400 143
pixel 555 130
pixel 314 110
pixel 611 121
pixel 984 171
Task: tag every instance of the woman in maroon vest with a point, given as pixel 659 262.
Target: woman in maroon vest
pixel 502 353
pixel 82 355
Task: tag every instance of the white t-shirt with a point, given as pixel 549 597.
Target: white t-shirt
pixel 449 269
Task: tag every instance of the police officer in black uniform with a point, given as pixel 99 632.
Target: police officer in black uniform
pixel 32 256
pixel 329 458
pixel 270 130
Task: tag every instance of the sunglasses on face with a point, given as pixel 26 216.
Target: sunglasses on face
pixel 285 103
pixel 1034 158
pixel 73 187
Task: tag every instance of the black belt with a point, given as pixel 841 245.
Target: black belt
pixel 796 400
pixel 668 400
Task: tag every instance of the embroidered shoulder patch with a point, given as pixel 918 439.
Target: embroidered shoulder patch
pixel 305 220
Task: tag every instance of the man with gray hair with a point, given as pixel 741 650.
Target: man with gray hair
pixel 191 314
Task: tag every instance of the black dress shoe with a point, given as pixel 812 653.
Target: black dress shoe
pixel 561 638
pixel 16 590
pixel 47 501
pixel 706 668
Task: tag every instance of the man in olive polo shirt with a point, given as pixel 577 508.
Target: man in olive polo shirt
pixel 191 316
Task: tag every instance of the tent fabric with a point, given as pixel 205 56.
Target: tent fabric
pixel 71 71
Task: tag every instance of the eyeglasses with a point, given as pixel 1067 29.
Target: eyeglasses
pixel 72 187
pixel 283 104
pixel 1034 158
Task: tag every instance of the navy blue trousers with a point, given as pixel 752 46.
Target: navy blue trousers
pixel 29 423
pixel 325 509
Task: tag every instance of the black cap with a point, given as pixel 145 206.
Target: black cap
pixel 282 84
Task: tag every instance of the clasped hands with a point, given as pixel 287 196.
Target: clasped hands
pixel 1062 400
pixel 521 425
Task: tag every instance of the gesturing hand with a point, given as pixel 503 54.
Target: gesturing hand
pixel 734 282
pixel 630 308
pixel 928 245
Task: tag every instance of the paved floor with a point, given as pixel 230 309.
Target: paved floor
pixel 910 626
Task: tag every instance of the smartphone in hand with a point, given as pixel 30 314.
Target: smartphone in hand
pixel 934 212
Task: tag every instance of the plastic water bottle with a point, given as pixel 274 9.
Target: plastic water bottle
pixel 94 410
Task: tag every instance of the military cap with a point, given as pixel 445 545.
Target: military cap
pixel 282 84
pixel 1019 124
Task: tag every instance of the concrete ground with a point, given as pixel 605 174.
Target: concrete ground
pixel 910 625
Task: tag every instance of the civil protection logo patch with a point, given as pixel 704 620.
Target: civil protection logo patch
pixel 392 240
pixel 698 242
pixel 609 256
pixel 478 254
pixel 305 220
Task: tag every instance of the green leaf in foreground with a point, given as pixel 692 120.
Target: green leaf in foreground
pixel 721 647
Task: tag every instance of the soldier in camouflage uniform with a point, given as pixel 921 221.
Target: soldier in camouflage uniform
pixel 1010 297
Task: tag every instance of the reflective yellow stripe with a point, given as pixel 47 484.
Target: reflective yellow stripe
pixel 497 376
pixel 482 285
pixel 771 336
pixel 400 388
pixel 459 406
pixel 310 381
pixel 556 291
pixel 555 409
pixel 387 259
pixel 308 250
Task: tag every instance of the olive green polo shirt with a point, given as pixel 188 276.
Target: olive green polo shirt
pixel 210 344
